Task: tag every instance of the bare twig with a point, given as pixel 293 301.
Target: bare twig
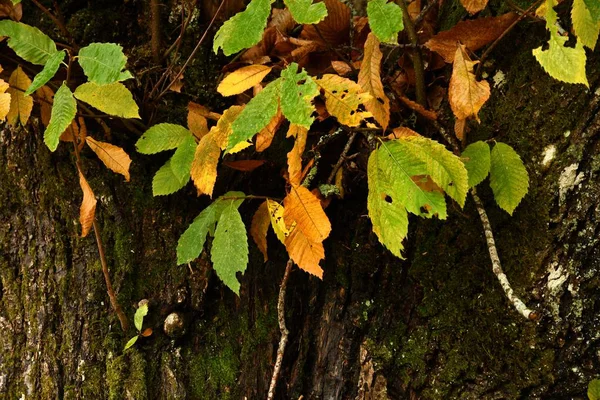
pixel 496 266
pixel 155 30
pixel 61 26
pixel 342 157
pixel 424 12
pixel 416 55
pixel 284 332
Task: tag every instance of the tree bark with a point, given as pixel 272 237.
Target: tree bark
pixel 433 326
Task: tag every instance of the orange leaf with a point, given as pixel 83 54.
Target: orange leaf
pixel 474 34
pixel 265 137
pixel 305 253
pixel 88 206
pixel 4 99
pixel 459 128
pixel 112 156
pixel 294 157
pixel 147 332
pixel 243 79
pixel 45 96
pixel 20 105
pixel 341 67
pixel 205 112
pixel 370 81
pixel 401 132
pixel 196 121
pixel 432 115
pixel 204 166
pixel 465 93
pixel 10 10
pixel 244 165
pixel 259 228
pixel 70 133
pixel 223 128
pixel 304 208
pixel 473 6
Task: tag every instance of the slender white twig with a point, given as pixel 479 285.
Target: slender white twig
pixel 282 328
pixel 496 266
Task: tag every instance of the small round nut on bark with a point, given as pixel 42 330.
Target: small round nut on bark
pixel 174 325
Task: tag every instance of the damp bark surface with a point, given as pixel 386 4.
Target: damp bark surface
pixel 433 326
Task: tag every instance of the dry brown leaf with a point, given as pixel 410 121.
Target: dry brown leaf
pixel 282 20
pixel 304 208
pixel 370 81
pixel 343 98
pixel 203 111
pixel 244 165
pixel 474 34
pixel 294 157
pixel 413 105
pixel 20 105
pixel 259 228
pixel 70 133
pixel 474 6
pixel 414 9
pixel 459 128
pixel 112 156
pixel 266 135
pixel 197 123
pixel 341 67
pixel 177 85
pixel 334 30
pixel 466 94
pixel 204 166
pixel 87 211
pixel 147 332
pixel 243 79
pixel 10 10
pixel 4 99
pixel 45 97
pixel 305 253
pixel 401 132
pixel 426 183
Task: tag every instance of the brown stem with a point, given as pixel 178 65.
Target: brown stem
pixel 284 331
pixel 155 30
pixel 342 157
pixel 111 293
pixel 61 26
pixel 417 58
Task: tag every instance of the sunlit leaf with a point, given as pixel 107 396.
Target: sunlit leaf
pixel 243 79
pixel 466 94
pixel 204 165
pixel 28 42
pixel 508 177
pixel 113 99
pixel 166 182
pixel 63 112
pixel 140 313
pixel 369 80
pixel 181 162
pixel 297 92
pixel 87 211
pixel 131 342
pixel 477 161
pixel 385 20
pixel 294 157
pixel 112 156
pixel 20 104
pixel 586 28
pixel 162 137
pixel 343 98
pixel 305 11
pixel 103 63
pixel 47 73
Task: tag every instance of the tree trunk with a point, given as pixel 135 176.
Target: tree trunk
pixel 434 326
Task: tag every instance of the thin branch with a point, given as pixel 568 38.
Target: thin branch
pixel 61 26
pixel 155 30
pixel 251 197
pixel 342 157
pixel 416 55
pixel 424 12
pixel 284 331
pixel 496 266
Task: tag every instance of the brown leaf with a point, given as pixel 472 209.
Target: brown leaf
pixel 401 132
pixel 20 105
pixel 243 79
pixel 474 34
pixel 70 133
pixel 112 156
pixel 87 210
pixel 341 67
pixel 10 10
pixel 459 128
pixel 305 253
pixel 473 6
pixel 196 121
pixel 370 81
pixel 282 20
pixel 203 111
pixel 244 165
pixel 147 332
pixel 294 157
pixel 45 97
pixel 259 228
pixel 334 30
pixel 304 208
pixel 413 105
pixel 266 135
pixel 204 166
pixel 466 94
pixel 177 85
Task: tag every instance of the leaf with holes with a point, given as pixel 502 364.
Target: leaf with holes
pixel 297 92
pixel 369 80
pixel 343 98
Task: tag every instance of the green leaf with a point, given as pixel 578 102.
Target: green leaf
pixel 103 63
pixel 162 137
pixel 594 8
pixel 586 28
pixel 181 162
pixel 243 30
pixel 305 12
pixel 140 313
pixel 165 182
pixel 296 97
pixel 15 2
pixel 508 177
pixel 388 215
pixel 63 112
pixel 47 73
pixel 477 162
pixel 385 20
pixel 131 342
pixel 191 242
pixel 256 115
pixel 566 64
pixel 113 99
pixel 28 42
pixel 229 252
pixel 593 391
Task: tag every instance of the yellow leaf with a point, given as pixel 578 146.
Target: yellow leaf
pixel 465 93
pixel 204 166
pixel 197 123
pixel 223 127
pixel 112 156
pixel 205 112
pixel 305 253
pixel 369 80
pixel 259 228
pixel 276 212
pixel 473 6
pixel 243 79
pixel 4 99
pixel 45 97
pixel 294 157
pixel 304 208
pixel 342 99
pixel 401 132
pixel 265 137
pixel 20 105
pixel 88 206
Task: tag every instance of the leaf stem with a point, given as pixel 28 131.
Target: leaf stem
pixel 417 58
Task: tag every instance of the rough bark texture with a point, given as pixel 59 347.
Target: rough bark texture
pixel 435 326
